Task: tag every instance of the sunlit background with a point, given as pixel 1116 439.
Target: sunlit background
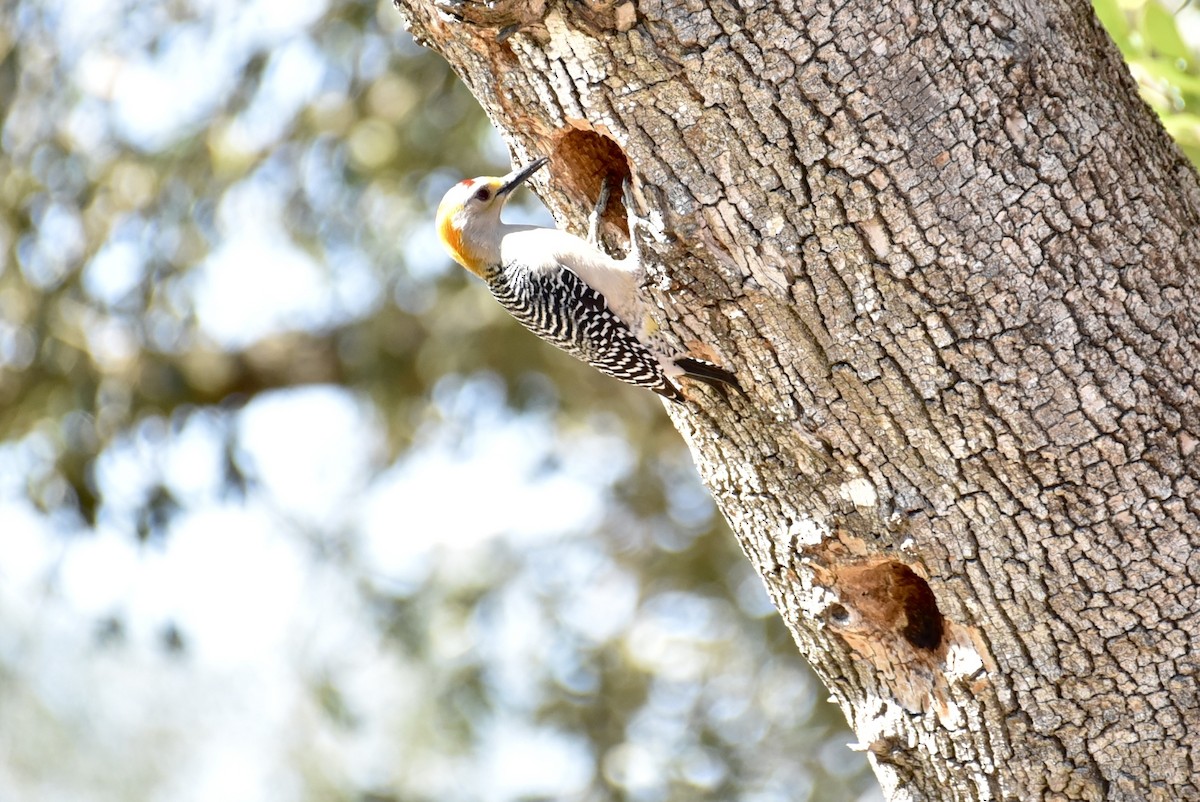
pixel 289 508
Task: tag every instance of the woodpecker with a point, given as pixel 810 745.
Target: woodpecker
pixel 567 290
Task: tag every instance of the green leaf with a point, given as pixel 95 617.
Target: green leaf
pixel 1115 21
pixel 1162 34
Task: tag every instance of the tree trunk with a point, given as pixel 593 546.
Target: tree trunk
pixel 947 250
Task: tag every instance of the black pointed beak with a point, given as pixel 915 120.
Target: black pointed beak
pixel 521 175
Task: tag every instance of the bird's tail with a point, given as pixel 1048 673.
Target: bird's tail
pixel 710 374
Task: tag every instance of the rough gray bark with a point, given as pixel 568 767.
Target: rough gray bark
pixel 948 251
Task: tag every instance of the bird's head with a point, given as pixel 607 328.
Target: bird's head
pixel 468 218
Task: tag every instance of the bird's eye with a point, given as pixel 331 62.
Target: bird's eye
pixel 483 194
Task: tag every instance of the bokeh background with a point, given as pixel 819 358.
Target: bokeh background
pixel 289 508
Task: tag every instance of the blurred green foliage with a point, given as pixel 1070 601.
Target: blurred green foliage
pixel 334 139
pixel 1161 43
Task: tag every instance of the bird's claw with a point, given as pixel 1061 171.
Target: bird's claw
pixel 632 218
pixel 627 196
pixel 597 213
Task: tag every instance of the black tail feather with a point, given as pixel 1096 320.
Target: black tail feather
pixel 669 391
pixel 710 374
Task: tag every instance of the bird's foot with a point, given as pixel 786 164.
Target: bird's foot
pixel 597 213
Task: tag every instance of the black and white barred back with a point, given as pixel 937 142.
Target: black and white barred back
pixel 563 310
